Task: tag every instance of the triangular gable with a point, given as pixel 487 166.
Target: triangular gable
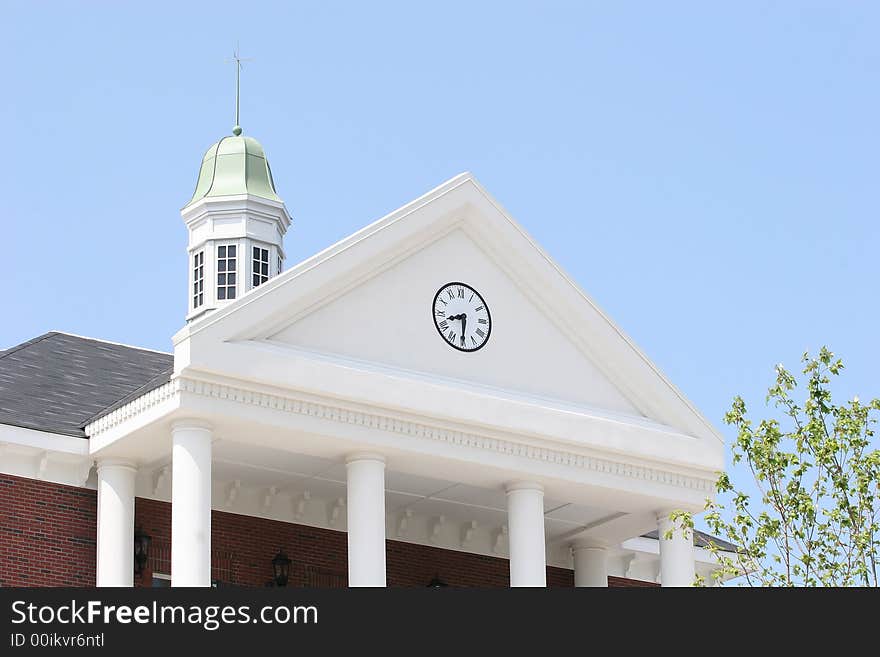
pixel 387 321
pixel 318 303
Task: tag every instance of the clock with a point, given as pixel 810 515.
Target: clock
pixel 462 317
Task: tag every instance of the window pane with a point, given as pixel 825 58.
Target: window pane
pixel 231 294
pixel 221 265
pixel 231 279
pixel 221 292
pixel 230 264
pixel 265 255
pixel 256 252
pixel 231 251
pixel 221 279
pixel 264 269
pixel 256 280
pixel 221 251
pixel 200 300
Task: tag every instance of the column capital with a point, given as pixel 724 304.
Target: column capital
pixel 191 423
pixel 588 544
pixel 512 486
pixel 122 464
pixel 665 523
pixel 354 457
pixel 663 514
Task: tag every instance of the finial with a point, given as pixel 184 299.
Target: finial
pixel 238 60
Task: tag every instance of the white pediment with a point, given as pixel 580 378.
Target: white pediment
pixel 387 320
pixel 355 322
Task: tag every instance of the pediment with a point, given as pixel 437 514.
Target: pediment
pixel 365 304
pixel 388 320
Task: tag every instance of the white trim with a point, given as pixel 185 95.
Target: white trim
pixel 422 428
pixel 45 440
pixel 44 456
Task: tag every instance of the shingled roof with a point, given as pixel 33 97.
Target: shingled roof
pixel 58 382
pixel 702 540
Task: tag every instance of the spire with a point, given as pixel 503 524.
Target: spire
pixel 236 221
pixel 237 60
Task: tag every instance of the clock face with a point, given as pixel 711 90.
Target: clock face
pixel 462 317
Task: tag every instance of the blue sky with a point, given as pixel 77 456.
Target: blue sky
pixel 707 173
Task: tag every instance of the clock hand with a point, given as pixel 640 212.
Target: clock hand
pixel 463 318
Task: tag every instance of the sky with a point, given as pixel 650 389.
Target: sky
pixel 706 172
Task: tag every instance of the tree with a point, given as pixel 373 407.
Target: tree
pixel 816 467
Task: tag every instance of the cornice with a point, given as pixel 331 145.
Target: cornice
pixel 410 428
pixel 133 408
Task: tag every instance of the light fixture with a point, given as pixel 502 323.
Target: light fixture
pixel 142 542
pixel 281 568
pixel 436 583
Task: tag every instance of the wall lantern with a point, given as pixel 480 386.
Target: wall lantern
pixel 142 542
pixel 281 568
pixel 436 583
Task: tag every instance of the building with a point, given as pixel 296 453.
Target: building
pixel 429 400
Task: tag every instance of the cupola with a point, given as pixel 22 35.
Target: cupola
pixel 236 223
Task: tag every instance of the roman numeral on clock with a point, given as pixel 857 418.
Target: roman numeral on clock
pixel 462 324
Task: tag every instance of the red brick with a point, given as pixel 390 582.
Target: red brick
pixel 47 538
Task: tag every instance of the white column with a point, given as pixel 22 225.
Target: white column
pixel 676 553
pixel 590 564
pixel 115 549
pixel 191 504
pixel 525 521
pixel 366 519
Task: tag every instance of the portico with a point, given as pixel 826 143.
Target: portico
pixel 515 520
pixel 325 397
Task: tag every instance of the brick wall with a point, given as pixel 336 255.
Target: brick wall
pixel 243 548
pixel 47 533
pixel 47 538
pixel 618 582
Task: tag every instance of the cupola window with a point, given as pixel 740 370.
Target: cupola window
pixel 198 279
pixel 226 270
pixel 261 265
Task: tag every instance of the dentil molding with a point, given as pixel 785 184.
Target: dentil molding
pixel 372 420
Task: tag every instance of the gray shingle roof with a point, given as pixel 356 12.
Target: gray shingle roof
pixel 701 539
pixel 58 382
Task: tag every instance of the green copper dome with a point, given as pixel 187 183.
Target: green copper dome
pixel 235 165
